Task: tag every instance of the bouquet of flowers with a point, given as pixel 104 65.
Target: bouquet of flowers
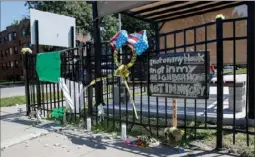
pixel 144 142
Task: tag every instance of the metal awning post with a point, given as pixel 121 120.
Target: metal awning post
pixel 250 59
pixel 97 55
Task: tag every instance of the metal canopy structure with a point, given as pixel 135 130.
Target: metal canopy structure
pixel 163 11
pixel 160 12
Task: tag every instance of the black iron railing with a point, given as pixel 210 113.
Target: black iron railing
pixel 154 112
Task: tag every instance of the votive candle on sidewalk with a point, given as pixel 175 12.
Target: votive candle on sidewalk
pixel 88 124
pixel 123 131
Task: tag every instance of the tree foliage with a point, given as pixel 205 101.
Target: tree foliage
pixel 133 25
pixel 15 22
pixel 82 11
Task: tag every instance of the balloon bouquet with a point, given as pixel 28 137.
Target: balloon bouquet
pixel 139 44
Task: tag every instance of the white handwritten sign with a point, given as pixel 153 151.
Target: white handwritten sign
pixel 180 75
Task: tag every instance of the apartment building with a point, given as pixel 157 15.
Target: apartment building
pixel 12 40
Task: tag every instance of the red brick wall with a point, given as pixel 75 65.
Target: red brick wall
pixel 241 45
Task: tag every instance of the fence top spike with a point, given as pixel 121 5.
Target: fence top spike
pixel 220 16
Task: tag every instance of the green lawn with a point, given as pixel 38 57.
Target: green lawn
pixel 12 101
pixel 239 71
pixel 2 82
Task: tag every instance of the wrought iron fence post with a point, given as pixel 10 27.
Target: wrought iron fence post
pixel 250 60
pixel 97 55
pixel 90 88
pixel 219 36
pixel 38 88
pixel 25 64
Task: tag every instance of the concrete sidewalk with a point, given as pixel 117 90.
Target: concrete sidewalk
pixel 21 139
pixel 56 145
pixel 16 128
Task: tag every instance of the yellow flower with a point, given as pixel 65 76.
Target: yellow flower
pixel 220 16
pixel 26 50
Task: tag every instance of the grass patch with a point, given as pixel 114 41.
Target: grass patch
pixel 241 71
pixel 204 138
pixel 238 72
pixel 3 82
pixel 12 101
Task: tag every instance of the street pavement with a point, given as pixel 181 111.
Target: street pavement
pixel 20 138
pixel 9 91
pixel 12 91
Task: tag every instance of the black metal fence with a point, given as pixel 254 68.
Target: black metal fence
pixel 225 112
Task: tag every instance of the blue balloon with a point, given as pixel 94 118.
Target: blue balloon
pixel 121 39
pixel 142 45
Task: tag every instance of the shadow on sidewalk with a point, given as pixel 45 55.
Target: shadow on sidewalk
pixel 101 143
pixel 11 115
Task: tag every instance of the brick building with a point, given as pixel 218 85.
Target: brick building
pixel 12 40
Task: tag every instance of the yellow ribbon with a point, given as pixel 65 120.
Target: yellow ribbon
pixel 123 72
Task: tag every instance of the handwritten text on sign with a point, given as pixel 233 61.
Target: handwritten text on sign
pixel 182 75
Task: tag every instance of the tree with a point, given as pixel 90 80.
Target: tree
pixel 81 11
pixel 15 22
pixel 133 25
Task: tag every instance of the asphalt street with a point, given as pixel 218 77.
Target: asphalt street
pixel 12 91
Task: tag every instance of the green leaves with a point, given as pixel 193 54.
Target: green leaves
pixel 82 11
pixel 132 25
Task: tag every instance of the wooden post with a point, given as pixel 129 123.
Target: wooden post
pixel 64 118
pixel 174 116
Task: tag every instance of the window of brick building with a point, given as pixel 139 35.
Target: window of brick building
pixel 11 50
pixel 23 32
pixel 14 35
pixel 10 37
pixel 5 39
pixel 16 64
pixel 2 54
pixel 11 64
pixel 3 66
pixel 1 40
pixel 15 49
pixel 7 65
pixel 6 52
pixel 24 45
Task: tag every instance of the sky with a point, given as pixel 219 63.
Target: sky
pixel 12 10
